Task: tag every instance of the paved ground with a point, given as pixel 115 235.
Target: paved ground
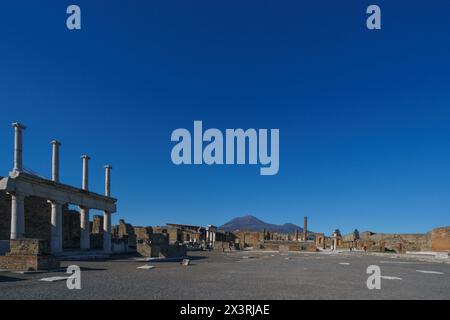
pixel 242 275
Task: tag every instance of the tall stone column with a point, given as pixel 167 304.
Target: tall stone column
pixel 108 169
pixel 55 160
pixel 106 214
pixel 56 232
pixel 56 241
pixel 84 182
pixel 85 241
pixel 17 216
pixel 18 166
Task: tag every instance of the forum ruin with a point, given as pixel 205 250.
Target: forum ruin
pixel 39 226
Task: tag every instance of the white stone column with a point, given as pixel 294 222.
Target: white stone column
pixel 17 216
pixel 213 239
pixel 107 231
pixel 85 240
pixel 55 160
pixel 56 240
pixel 56 232
pixel 84 182
pixel 106 214
pixel 18 166
pixel 108 169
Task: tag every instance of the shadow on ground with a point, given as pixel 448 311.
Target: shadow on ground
pixel 10 279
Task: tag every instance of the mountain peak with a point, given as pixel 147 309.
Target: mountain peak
pixel 252 223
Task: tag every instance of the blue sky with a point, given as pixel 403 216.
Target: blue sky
pixel 363 115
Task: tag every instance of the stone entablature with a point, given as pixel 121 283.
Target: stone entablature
pixel 30 185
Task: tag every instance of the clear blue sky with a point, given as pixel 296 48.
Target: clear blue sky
pixel 363 115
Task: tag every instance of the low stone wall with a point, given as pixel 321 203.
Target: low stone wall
pixel 221 246
pixel 285 246
pixel 121 246
pixel 150 250
pixel 28 263
pixel 384 242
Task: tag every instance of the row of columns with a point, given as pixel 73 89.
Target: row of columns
pixel 334 240
pixel 333 244
pixel 18 207
pixel 210 237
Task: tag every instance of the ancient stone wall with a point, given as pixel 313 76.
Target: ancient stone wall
pixel 175 235
pixel 249 239
pixel 38 221
pixel 143 232
pixel 405 242
pixel 284 246
pixel 37 217
pixel 440 239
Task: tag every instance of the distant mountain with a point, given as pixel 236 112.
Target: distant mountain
pixel 251 223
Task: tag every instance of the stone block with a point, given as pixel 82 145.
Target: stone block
pixel 28 263
pixel 29 247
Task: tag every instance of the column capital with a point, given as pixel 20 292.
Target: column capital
pixel 85 156
pixel 107 166
pixel 18 125
pixel 56 202
pixel 55 142
pixel 17 194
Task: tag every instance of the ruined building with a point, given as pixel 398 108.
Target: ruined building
pixel 36 208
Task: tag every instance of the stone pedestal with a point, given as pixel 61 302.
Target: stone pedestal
pixel 29 255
